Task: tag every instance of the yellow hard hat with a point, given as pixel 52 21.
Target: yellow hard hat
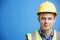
pixel 47 7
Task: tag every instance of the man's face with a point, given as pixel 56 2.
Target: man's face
pixel 46 21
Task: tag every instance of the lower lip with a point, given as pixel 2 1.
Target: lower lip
pixel 46 25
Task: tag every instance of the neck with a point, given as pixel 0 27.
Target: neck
pixel 47 33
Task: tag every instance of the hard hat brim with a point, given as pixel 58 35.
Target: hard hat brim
pixel 47 12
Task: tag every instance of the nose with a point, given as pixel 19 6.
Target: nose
pixel 46 21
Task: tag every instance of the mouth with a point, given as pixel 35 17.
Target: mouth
pixel 46 25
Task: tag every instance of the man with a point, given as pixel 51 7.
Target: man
pixel 46 16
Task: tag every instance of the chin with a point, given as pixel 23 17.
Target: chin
pixel 46 29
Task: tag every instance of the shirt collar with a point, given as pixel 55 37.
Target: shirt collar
pixel 42 34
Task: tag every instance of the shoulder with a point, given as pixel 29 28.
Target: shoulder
pixel 32 34
pixel 58 35
pixel 57 32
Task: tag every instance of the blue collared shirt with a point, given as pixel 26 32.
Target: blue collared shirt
pixel 43 36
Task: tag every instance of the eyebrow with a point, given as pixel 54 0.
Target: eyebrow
pixel 44 17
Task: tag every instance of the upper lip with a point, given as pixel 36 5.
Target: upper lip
pixel 46 25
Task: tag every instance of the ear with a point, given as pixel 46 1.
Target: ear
pixel 39 18
pixel 54 20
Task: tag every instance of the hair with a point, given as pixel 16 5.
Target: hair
pixel 47 12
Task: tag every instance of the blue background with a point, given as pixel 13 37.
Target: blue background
pixel 18 17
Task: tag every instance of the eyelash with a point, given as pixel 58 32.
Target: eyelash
pixel 48 18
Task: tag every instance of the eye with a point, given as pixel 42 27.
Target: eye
pixel 42 18
pixel 49 18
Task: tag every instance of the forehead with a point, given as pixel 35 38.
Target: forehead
pixel 46 15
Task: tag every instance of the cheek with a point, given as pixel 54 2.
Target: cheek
pixel 51 22
pixel 41 22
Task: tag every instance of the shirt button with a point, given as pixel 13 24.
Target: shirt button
pixel 47 39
